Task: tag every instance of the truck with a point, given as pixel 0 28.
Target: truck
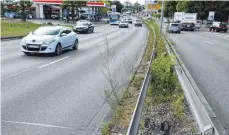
pixel 188 20
pixel 178 17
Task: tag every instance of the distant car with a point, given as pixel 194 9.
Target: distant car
pixel 138 22
pixel 197 24
pixel 187 26
pixel 129 20
pixel 123 24
pixel 83 16
pixel 218 26
pixel 55 16
pixel 84 27
pixel 49 39
pixel 166 21
pixel 174 28
pixel 82 21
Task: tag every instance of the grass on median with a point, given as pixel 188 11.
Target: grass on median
pixel 165 86
pixel 164 99
pixel 13 27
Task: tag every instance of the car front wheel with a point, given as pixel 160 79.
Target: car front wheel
pixel 58 50
pixel 75 47
pixel 225 31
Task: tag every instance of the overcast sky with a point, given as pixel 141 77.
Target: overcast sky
pixel 133 1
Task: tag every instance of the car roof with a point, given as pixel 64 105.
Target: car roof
pixel 60 27
pixel 83 21
pixel 174 23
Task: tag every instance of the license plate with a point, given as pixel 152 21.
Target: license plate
pixel 33 46
pixel 188 25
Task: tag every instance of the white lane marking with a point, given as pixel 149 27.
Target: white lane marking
pixel 53 62
pixel 209 42
pixel 34 124
pixel 102 43
pixel 17 73
pixel 2 53
pixel 217 34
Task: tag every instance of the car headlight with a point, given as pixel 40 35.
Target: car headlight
pixel 23 42
pixel 49 42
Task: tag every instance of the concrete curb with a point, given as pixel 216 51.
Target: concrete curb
pixel 12 38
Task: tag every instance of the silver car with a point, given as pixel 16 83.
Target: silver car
pixel 49 39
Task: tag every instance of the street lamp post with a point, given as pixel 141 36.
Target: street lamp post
pixel 162 15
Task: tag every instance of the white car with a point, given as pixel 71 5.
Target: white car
pixel 49 39
pixel 123 24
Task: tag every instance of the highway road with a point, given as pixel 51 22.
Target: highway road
pixel 206 56
pixel 64 95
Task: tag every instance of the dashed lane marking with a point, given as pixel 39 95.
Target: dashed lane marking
pixel 53 62
pixel 35 124
pixel 209 42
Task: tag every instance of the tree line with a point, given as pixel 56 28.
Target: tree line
pixel 221 8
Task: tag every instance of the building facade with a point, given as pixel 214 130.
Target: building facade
pixel 44 7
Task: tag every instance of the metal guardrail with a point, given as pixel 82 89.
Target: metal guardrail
pixel 198 105
pixel 135 120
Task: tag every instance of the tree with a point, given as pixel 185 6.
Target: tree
pixel 136 6
pixel 22 4
pixel 202 8
pixel 128 4
pixel 170 8
pixel 73 6
pixel 182 6
pixel 118 4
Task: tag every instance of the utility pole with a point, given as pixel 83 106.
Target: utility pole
pixel 162 16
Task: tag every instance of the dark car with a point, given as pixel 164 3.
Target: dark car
pixel 174 28
pixel 138 23
pixel 218 26
pixel 84 27
pixel 187 26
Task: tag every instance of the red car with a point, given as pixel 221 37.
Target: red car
pixel 218 26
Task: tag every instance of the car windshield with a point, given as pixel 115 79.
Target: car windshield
pixel 82 24
pixel 114 16
pixel 123 22
pixel 138 20
pixel 174 24
pixel 47 31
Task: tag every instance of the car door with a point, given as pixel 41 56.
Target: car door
pixel 65 39
pixel 72 37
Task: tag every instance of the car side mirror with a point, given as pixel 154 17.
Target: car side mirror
pixel 63 34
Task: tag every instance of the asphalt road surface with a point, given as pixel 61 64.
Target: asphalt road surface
pixel 206 56
pixel 64 95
